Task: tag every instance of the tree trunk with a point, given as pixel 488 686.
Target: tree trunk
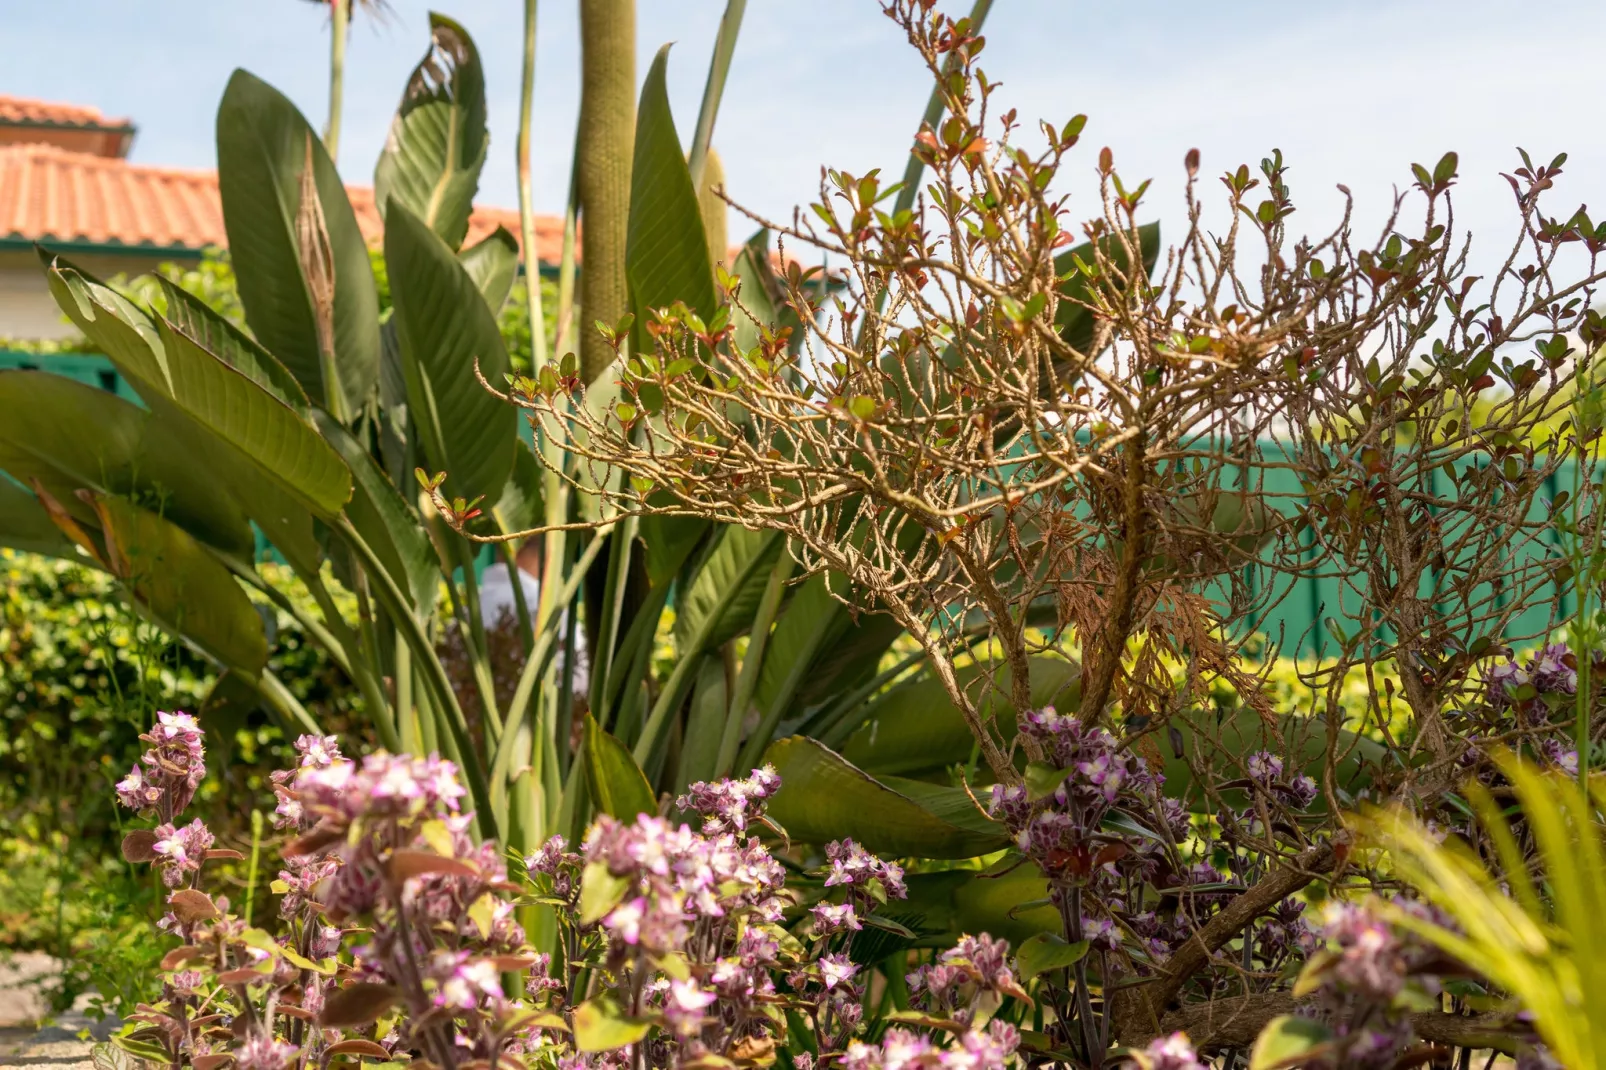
pixel 606 144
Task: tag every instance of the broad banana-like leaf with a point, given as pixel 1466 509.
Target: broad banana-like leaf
pixel 493 264
pixel 71 436
pixel 1300 741
pixel 666 250
pixel 264 146
pixel 722 597
pixel 915 727
pixel 617 783
pixel 817 649
pixel 445 327
pixel 193 318
pixel 1008 902
pixel 825 797
pixel 699 748
pixel 386 523
pixel 24 525
pixel 181 585
pixel 432 159
pixel 217 395
pixel 258 447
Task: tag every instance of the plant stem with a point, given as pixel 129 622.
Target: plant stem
pixel 532 261
pixel 339 23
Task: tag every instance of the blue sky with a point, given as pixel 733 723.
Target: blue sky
pixel 1352 91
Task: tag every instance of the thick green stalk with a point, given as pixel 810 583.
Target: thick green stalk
pixel 714 89
pixel 534 669
pixel 285 704
pixel 752 663
pixel 613 592
pixel 564 328
pixel 339 24
pixel 395 603
pixel 605 151
pixel 532 260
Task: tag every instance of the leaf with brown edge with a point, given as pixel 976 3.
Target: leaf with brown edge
pixel 179 956
pixel 209 1062
pixel 245 975
pixel 300 1013
pixel 138 846
pixel 406 864
pixel 358 1047
pixel 357 1005
pixel 190 906
pixel 224 854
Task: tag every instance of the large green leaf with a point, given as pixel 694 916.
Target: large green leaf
pixel 182 586
pixel 666 251
pixel 1301 741
pixel 493 264
pixel 194 318
pixel 825 797
pixel 386 523
pixel 617 783
pixel 263 144
pixel 24 525
pixel 915 727
pixel 444 327
pixel 431 161
pixel 72 436
pixel 818 649
pixel 235 437
pixel 720 601
pixel 1011 903
pixel 705 721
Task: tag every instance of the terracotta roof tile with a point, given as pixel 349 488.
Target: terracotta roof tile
pixel 26 110
pixel 50 194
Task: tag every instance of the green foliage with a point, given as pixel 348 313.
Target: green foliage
pixel 1536 925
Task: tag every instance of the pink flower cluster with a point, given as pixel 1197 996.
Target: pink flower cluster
pixel 169 772
pixel 728 805
pixel 900 1049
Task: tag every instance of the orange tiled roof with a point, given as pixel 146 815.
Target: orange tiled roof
pixel 44 112
pixel 50 194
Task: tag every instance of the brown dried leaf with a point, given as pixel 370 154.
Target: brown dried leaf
pixel 357 1005
pixel 191 905
pixel 138 846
